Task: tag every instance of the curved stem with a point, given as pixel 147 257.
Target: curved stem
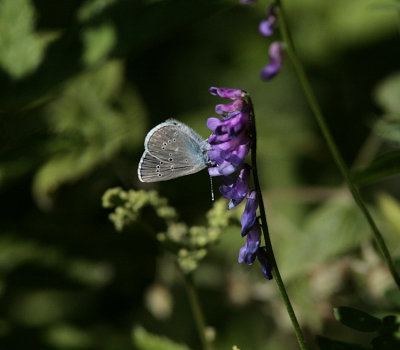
pixel 267 239
pixel 197 312
pixel 313 103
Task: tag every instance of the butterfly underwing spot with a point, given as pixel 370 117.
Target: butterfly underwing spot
pixel 169 141
pixel 170 159
pixel 174 139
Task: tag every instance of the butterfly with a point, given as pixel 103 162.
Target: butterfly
pixel 171 150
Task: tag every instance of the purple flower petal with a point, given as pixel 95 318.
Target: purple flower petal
pixel 248 252
pixel 233 94
pixel 227 162
pixel 267 26
pixel 236 190
pixel 225 143
pixel 249 215
pixel 229 107
pixel 265 266
pixel 276 59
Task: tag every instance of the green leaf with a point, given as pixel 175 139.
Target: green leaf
pixel 90 123
pixel 388 93
pixel 357 319
pixel 390 325
pixel 329 344
pixel 389 129
pixel 393 296
pixel 122 27
pixel 390 209
pixel 384 166
pixel 332 229
pixel 20 48
pixel 148 341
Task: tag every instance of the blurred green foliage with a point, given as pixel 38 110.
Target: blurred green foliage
pixel 82 81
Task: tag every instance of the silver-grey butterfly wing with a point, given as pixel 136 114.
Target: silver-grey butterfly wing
pixel 172 149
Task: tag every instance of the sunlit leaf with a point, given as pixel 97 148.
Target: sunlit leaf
pixel 148 341
pixel 389 129
pixel 20 50
pixel 388 93
pixel 332 229
pixel 390 208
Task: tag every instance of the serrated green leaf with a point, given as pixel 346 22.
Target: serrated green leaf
pixel 384 166
pixel 356 319
pixel 148 341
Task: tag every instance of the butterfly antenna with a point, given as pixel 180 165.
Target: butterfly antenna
pixel 212 189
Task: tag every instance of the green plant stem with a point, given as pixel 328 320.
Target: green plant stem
pixel 267 239
pixel 313 103
pixel 196 310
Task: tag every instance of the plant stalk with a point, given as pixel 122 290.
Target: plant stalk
pixel 267 239
pixel 197 311
pixel 313 103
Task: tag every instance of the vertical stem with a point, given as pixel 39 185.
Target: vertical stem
pixel 267 239
pixel 313 103
pixel 197 312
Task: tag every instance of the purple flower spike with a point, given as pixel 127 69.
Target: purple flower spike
pixel 248 252
pixel 236 191
pixel 233 94
pixel 229 107
pixel 227 162
pixel 267 26
pixel 266 267
pixel 276 59
pixel 247 2
pixel 249 215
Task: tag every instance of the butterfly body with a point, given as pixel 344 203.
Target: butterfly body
pixel 171 150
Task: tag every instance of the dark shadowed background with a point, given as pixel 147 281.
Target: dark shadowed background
pixel 81 83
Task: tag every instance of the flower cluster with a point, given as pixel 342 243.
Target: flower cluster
pixel 230 143
pixel 275 52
